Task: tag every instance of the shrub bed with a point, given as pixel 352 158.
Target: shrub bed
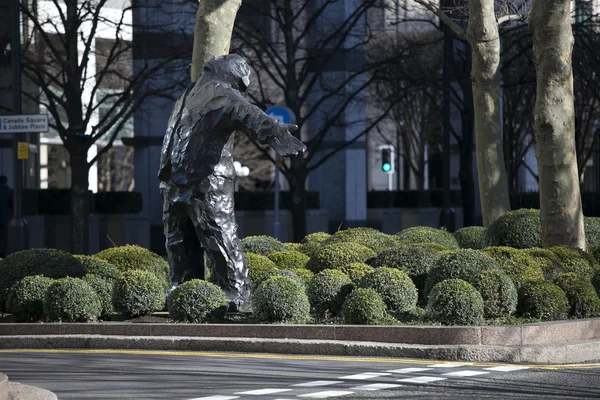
pixel 104 289
pixel 48 262
pixel 395 287
pixel 456 302
pixel 96 266
pixel 364 306
pixel 416 259
pixel 592 229
pixel 281 299
pixel 425 234
pixel 551 265
pixel 327 291
pixel 25 299
pixel 197 301
pixel 582 296
pixel 498 292
pixel 289 259
pixel 368 237
pixel 520 229
pixel 471 237
pixel 71 300
pixel 462 264
pixel 258 266
pixel 280 272
pixel 312 242
pixel 576 260
pixel 138 292
pixel 131 257
pixel 338 255
pixel 542 300
pixel 263 245
pixel 356 271
pixel 518 265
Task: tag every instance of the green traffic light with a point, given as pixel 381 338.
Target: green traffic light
pixel 386 167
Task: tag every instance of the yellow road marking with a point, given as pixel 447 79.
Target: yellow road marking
pixel 296 357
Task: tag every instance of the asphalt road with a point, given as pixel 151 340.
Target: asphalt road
pixel 212 376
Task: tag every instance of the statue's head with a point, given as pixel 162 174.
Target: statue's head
pixel 232 69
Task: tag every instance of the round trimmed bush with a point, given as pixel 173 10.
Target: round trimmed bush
pixel 338 255
pixel 51 263
pixel 26 297
pixel 71 300
pixel 263 245
pixel 138 292
pixel 542 300
pixel 551 265
pixel 576 260
pixel 364 306
pixel 498 292
pixel 327 291
pixel 595 252
pixel 456 302
pixel 280 272
pixel 368 237
pixel 104 289
pixel 304 274
pixel 281 299
pixel 258 266
pixel 592 229
pixel 356 271
pixel 197 301
pixel 519 228
pixel 395 287
pixel 293 246
pixel 98 267
pixel 462 264
pixel 517 264
pixel 582 296
pixel 426 234
pixel 132 257
pixel 289 259
pixel 312 242
pixel 416 259
pixel 471 237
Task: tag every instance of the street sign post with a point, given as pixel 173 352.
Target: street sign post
pixel 287 116
pixel 33 123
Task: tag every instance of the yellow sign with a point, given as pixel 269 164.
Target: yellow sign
pixel 23 151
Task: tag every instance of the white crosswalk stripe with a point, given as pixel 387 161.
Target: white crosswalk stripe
pixel 376 386
pixel 408 370
pixel 505 368
pixel 264 391
pixel 317 383
pixel 326 394
pixel 422 379
pixel 366 375
pixel 466 373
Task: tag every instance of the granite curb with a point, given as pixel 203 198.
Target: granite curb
pixel 546 333
pixel 567 353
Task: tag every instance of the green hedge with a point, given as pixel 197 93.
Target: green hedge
pixel 498 292
pixel 517 264
pixel 471 237
pixel 289 259
pixel 542 300
pixel 25 300
pixel 327 291
pixel 258 266
pixel 263 245
pixel 138 292
pixel 582 296
pixel 425 234
pixel 71 300
pixel 281 299
pixel 197 301
pixel 368 237
pixel 395 287
pixel 132 257
pixel 312 242
pixel 456 302
pixel 520 229
pixel 338 255
pixel 364 306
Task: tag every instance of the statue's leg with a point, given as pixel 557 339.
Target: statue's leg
pixel 175 218
pixel 217 229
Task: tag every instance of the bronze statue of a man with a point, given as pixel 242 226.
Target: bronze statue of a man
pixel 197 174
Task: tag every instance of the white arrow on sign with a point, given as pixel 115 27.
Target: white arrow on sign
pixel 29 123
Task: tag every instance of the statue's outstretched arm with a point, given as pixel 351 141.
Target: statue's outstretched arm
pixel 262 128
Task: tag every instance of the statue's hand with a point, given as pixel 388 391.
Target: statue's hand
pixel 284 143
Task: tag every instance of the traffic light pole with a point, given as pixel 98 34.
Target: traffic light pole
pixel 18 231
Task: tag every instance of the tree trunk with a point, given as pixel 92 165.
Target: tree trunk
pixel 80 202
pixel 483 36
pixel 560 198
pixel 212 33
pixel 297 182
pixel 465 174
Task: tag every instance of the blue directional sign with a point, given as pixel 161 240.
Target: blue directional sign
pixel 282 114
